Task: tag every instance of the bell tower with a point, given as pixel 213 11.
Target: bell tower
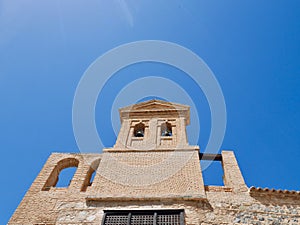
pixel 151 158
pixel 154 124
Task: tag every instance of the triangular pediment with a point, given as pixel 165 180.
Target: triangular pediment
pixel 155 105
pixel 155 108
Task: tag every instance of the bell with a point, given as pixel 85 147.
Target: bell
pixel 167 133
pixel 139 133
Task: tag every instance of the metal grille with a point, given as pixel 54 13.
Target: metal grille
pixel 146 217
pixel 142 219
pixel 170 219
pixel 116 219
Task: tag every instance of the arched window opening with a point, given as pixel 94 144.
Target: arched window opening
pixel 139 130
pixel 90 175
pixel 92 178
pixel 65 177
pixel 166 129
pixel 62 174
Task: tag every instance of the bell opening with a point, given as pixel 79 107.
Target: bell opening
pixel 139 130
pixel 166 129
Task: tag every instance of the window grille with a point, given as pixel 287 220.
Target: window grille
pixel 143 217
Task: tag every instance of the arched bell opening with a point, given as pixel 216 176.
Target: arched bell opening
pixel 89 178
pixel 139 130
pixel 166 129
pixel 68 165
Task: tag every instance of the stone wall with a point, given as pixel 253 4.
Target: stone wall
pixel 253 208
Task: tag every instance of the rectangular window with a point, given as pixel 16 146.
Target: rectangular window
pixel 143 217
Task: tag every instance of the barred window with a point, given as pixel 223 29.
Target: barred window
pixel 143 217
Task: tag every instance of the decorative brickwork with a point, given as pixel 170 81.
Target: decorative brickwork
pixel 151 172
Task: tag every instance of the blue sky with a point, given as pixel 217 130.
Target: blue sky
pixel 253 48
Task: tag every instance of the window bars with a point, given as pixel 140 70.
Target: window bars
pixel 143 217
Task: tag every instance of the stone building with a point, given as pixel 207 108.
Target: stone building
pixel 150 176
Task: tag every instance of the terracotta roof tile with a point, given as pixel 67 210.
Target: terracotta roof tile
pixel 259 189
